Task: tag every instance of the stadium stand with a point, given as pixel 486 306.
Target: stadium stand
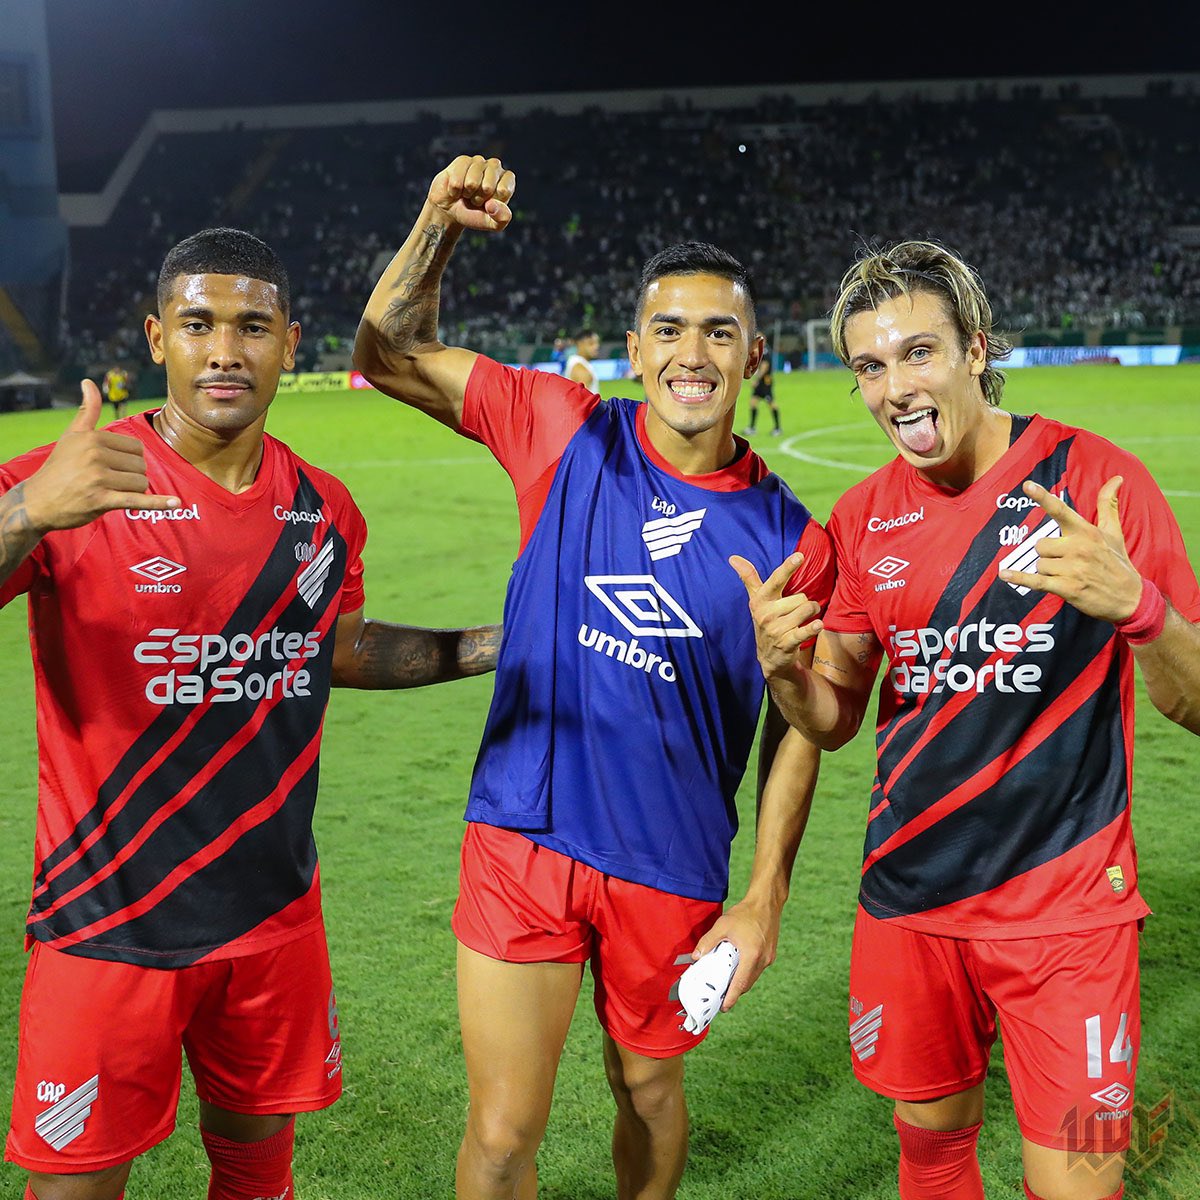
pixel 1074 208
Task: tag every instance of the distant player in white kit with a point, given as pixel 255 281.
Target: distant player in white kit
pixel 579 361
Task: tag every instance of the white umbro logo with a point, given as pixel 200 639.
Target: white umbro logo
pixel 310 583
pixel 158 569
pixel 63 1122
pixel 666 536
pixel 1025 556
pixel 642 605
pixel 888 566
pixel 1114 1096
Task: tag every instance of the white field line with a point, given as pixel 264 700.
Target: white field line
pixel 788 447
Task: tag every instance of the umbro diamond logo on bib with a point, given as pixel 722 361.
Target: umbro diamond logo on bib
pixel 642 605
pixel 63 1122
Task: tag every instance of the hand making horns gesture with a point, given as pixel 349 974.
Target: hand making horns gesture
pixel 1087 565
pixel 782 624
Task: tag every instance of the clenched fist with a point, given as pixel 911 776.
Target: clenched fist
pixel 474 192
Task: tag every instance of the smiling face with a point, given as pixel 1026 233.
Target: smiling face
pixel 224 340
pixel 694 345
pixel 923 388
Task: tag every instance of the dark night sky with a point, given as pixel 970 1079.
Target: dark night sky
pixel 113 61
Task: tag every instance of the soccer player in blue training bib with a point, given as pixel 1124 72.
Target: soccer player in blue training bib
pixel 602 804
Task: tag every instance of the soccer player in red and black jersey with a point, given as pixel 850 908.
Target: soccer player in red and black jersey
pixel 194 589
pixel 1011 569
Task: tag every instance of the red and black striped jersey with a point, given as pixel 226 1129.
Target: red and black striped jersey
pixel 182 665
pixel 1005 728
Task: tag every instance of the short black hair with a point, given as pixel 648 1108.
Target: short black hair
pixel 584 334
pixel 224 251
pixel 695 258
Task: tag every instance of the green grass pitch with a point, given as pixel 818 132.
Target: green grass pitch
pixel 776 1113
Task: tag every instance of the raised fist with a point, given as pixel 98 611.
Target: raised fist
pixel 474 192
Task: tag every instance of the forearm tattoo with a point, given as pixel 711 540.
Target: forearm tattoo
pixel 17 534
pixel 403 656
pixel 479 648
pixel 412 317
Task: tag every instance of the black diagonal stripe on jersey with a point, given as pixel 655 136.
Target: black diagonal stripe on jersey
pixel 274 858
pixel 991 721
pixel 253 880
pixel 999 836
pixel 980 557
pixel 202 822
pixel 276 574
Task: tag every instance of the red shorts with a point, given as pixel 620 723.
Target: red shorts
pixel 923 1015
pixel 521 902
pixel 99 1064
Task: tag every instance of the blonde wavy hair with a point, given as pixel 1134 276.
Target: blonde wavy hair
pixel 907 267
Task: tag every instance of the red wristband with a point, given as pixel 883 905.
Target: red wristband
pixel 1146 621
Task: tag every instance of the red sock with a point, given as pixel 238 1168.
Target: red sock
pixel 936 1165
pixel 1034 1196
pixel 251 1170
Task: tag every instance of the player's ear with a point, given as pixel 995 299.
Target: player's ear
pixel 291 341
pixel 154 336
pixel 634 350
pixel 977 352
pixel 757 346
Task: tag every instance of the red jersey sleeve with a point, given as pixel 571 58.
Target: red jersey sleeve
pixel 815 576
pixel 1151 532
pixel 847 612
pixel 525 418
pixel 12 473
pixel 354 594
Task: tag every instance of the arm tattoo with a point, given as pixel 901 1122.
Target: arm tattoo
pixel 866 645
pixel 479 648
pixel 17 534
pixel 411 318
pixel 818 661
pixel 403 656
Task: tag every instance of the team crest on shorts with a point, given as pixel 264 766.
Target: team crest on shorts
pixel 1116 877
pixel 333 1060
pixel 63 1121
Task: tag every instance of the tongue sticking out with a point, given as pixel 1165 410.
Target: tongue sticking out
pixel 919 436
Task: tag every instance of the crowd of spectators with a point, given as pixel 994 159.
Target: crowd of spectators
pixel 1067 206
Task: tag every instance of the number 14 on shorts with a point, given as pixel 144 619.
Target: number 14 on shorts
pixel 1121 1050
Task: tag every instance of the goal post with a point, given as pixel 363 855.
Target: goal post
pixel 818 345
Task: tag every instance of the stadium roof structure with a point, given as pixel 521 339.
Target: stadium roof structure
pixel 80 209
